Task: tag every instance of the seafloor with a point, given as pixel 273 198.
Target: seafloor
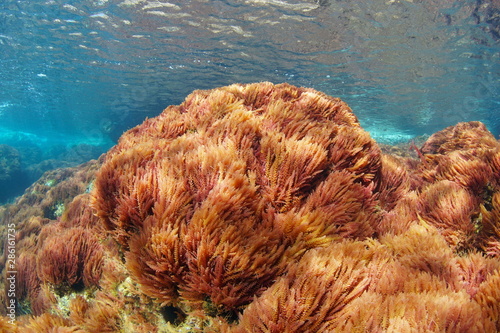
pixel 260 208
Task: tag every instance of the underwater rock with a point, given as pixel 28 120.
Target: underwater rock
pixel 272 169
pixel 10 172
pixel 263 208
pixel 10 163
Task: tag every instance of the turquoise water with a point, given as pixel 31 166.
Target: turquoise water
pixel 76 74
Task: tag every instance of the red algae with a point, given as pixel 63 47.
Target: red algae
pixel 262 208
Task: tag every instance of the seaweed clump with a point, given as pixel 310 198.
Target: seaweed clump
pixel 212 199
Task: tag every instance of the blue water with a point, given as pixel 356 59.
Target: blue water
pixel 76 74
